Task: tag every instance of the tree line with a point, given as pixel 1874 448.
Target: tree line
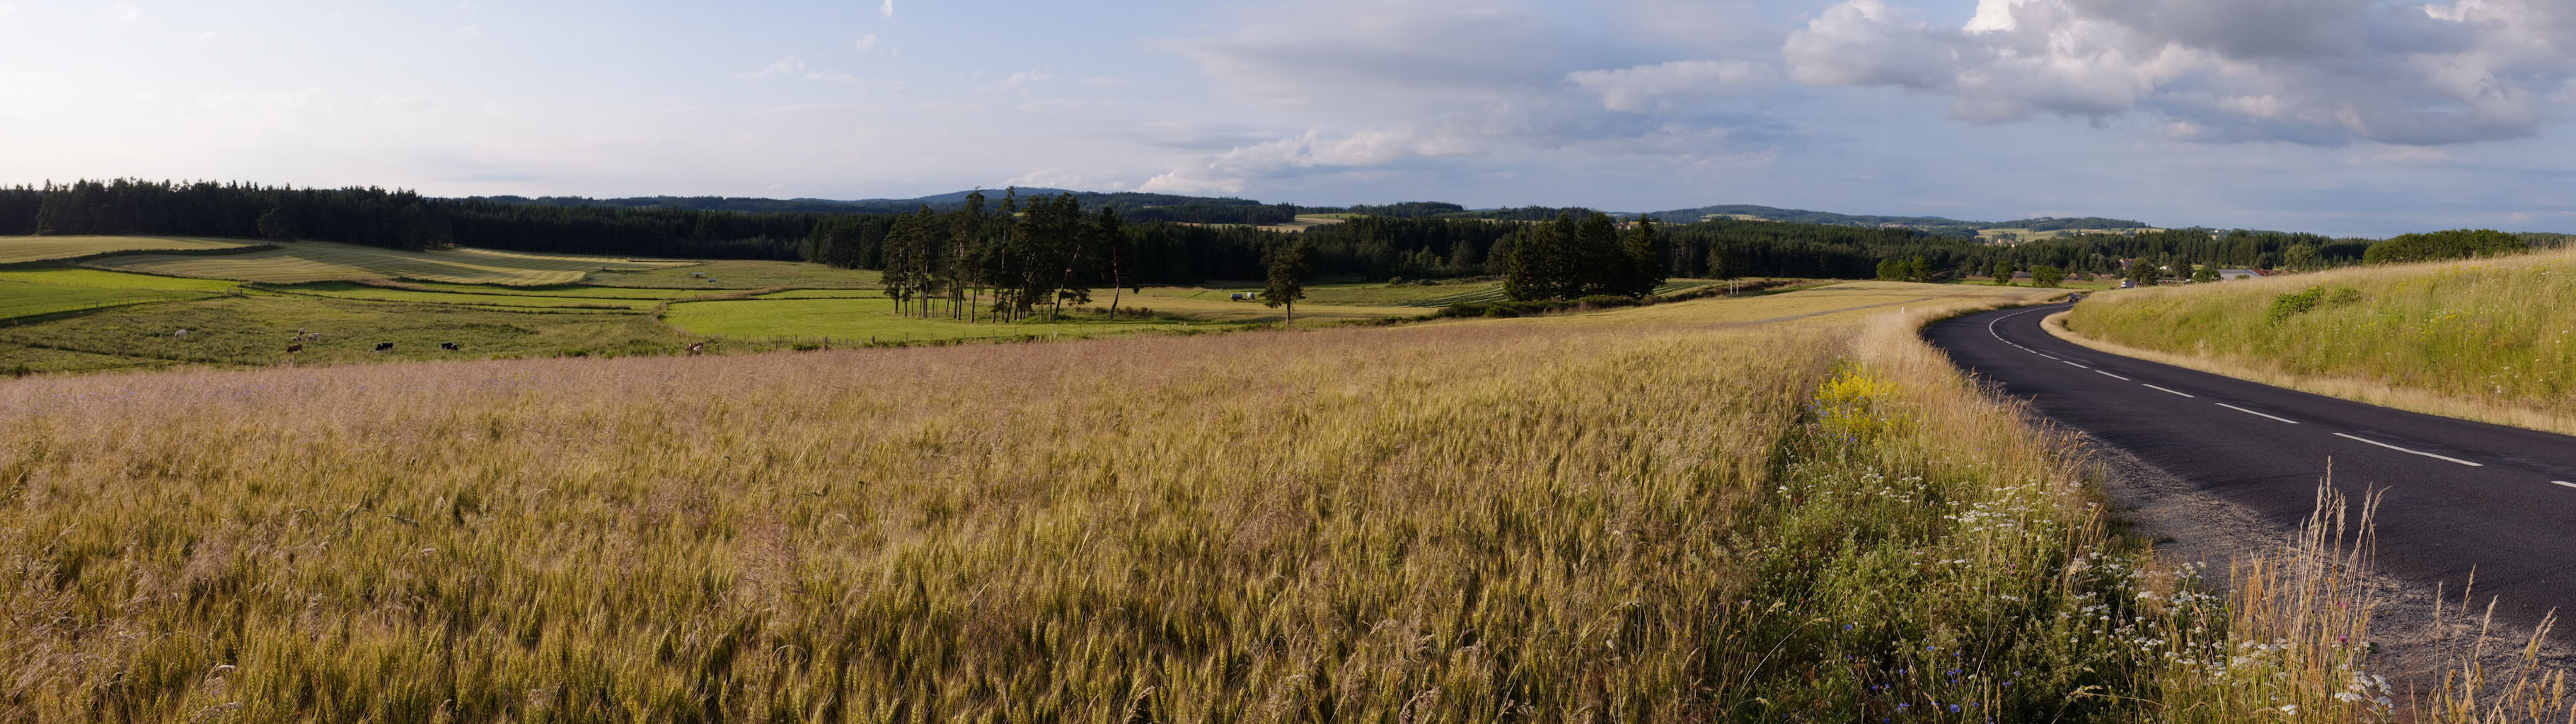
pixel 1148 247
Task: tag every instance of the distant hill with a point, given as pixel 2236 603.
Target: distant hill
pixel 1230 210
pixel 1134 206
pixel 1929 224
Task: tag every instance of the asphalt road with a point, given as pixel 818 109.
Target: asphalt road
pixel 2461 495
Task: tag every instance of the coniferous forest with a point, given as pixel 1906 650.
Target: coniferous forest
pixel 975 240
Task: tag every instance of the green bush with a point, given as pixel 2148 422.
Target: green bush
pixel 2439 245
pixel 2301 302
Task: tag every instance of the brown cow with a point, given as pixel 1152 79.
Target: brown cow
pixel 294 348
pixel 696 348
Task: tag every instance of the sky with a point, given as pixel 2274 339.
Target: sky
pixel 2347 117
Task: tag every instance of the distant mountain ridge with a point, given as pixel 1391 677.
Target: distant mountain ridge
pixel 1205 209
pixel 1932 224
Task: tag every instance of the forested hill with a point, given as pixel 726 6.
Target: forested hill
pixel 1927 224
pixel 1134 206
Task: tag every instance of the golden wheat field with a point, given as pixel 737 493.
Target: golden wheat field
pixel 1670 515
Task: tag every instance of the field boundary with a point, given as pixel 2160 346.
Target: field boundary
pixel 83 261
pixel 2367 392
pixel 68 313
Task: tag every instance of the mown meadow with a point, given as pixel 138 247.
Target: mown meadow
pixel 2487 339
pixel 1676 513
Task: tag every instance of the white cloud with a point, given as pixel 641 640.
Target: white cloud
pixel 1060 179
pixel 866 43
pixel 1032 76
pixel 2320 72
pixel 125 12
pixel 784 66
pixel 7 10
pixel 470 30
pixel 1230 171
pixel 1379 86
pixel 1633 89
pixel 887 9
pixel 832 76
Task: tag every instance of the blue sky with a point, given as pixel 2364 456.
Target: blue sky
pixel 2337 116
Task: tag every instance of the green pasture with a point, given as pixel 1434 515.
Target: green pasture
pixel 825 294
pixel 365 292
pixel 94 278
pixel 20 300
pixel 1381 295
pixel 255 330
pixel 23 249
pixel 864 320
pixel 740 274
pixel 575 291
pixel 315 261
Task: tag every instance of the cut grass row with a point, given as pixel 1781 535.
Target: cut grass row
pixel 311 261
pixel 24 249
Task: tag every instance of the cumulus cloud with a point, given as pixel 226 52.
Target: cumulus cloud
pixel 1229 172
pixel 887 9
pixel 2320 72
pixel 1366 56
pixel 784 66
pixel 866 43
pixel 1373 85
pixel 1634 89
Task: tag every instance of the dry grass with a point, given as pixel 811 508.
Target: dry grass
pixel 1637 520
pixel 2486 340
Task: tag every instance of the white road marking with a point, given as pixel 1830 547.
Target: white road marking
pixel 2412 452
pixel 2077 366
pixel 2256 414
pixel 2113 376
pixel 2185 394
pixel 2565 483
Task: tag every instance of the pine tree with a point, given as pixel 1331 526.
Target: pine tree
pixel 1645 251
pixel 1287 282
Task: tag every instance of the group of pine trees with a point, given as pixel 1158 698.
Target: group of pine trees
pixel 1003 264
pixel 1569 259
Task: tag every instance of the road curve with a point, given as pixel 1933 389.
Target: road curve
pixel 2462 495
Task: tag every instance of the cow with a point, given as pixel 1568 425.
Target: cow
pixel 183 334
pixel 294 348
pixel 449 346
pixel 696 348
pixel 384 346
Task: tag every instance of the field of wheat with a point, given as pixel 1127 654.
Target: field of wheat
pixel 2487 339
pixel 1662 519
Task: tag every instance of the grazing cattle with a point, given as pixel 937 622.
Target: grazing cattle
pixel 183 334
pixel 294 348
pixel 449 346
pixel 696 348
pixel 384 346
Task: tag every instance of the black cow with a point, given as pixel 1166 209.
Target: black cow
pixel 449 346
pixel 293 348
pixel 384 346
